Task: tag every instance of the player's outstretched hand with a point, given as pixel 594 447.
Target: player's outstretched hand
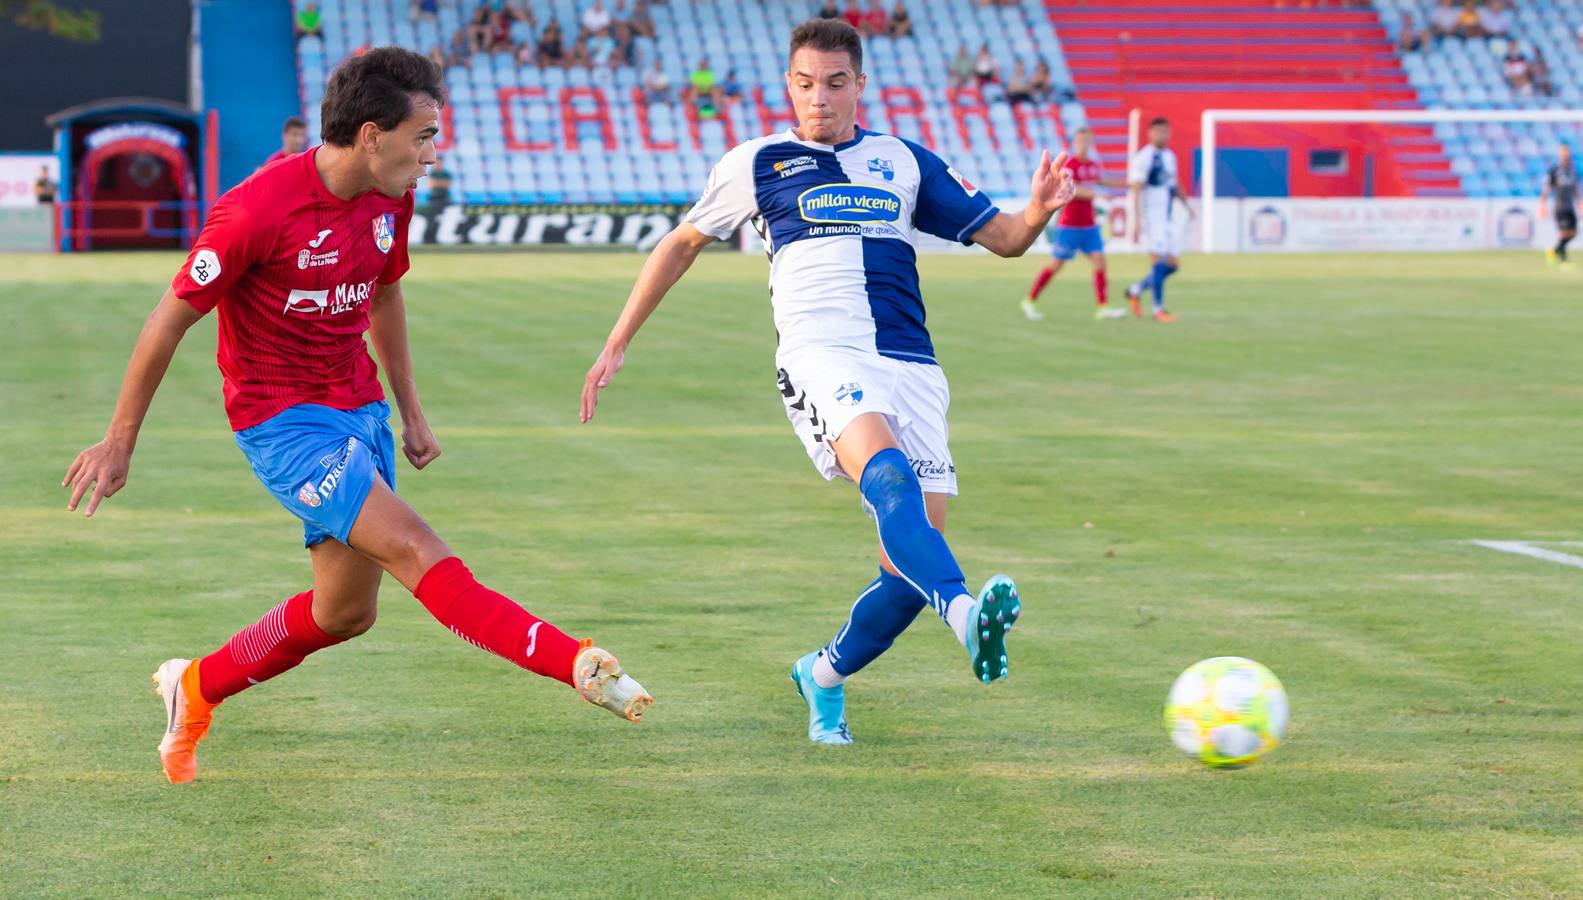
pixel 102 467
pixel 604 369
pixel 418 444
pixel 1052 186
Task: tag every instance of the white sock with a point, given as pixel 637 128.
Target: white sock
pixel 956 613
pixel 825 674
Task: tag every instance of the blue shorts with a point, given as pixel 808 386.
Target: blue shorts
pixel 320 462
pixel 1070 241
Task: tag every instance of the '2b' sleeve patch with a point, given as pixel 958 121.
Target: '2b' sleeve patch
pixel 205 267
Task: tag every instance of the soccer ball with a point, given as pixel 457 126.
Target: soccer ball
pixel 1226 711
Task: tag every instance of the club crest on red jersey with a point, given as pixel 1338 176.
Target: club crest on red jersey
pixel 384 231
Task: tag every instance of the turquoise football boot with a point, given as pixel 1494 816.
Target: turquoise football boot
pixel 826 706
pixel 991 617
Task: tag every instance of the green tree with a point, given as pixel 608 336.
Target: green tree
pixel 49 17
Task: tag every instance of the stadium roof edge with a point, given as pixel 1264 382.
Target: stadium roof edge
pixel 120 104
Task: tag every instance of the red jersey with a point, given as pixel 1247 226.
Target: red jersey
pixel 292 269
pixel 1080 212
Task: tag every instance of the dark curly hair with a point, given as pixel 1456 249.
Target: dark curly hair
pixel 376 87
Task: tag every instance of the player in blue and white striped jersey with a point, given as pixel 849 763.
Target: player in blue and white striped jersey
pixel 840 208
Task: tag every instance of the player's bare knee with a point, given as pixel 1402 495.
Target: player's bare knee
pixel 349 620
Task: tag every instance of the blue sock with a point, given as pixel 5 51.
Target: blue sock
pixel 882 612
pixel 915 548
pixel 1162 270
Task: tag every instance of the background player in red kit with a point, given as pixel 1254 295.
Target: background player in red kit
pixel 1076 230
pixel 301 260
pixel 293 138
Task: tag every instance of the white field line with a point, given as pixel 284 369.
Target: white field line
pixel 1524 548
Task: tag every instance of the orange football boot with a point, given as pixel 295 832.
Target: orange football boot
pixel 187 717
pixel 1161 315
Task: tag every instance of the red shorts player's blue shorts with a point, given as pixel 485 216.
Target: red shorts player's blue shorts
pixel 1070 241
pixel 320 462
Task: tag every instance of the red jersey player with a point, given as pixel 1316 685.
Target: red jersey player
pixel 1077 230
pixel 293 137
pixel 301 260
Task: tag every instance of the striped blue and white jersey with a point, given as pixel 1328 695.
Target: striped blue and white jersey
pixel 1155 169
pixel 841 224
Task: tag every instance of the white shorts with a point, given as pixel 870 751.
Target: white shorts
pixel 1161 239
pixel 824 389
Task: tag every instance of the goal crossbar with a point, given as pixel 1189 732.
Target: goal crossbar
pixel 1213 117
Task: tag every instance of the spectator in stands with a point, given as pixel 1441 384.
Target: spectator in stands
pixel 1539 74
pixel 984 68
pixel 307 21
pixel 1043 83
pixel 961 67
pixel 500 32
pixel 1469 25
pixel 601 49
pixel 44 187
pixel 1443 21
pixel 900 22
pixel 424 9
pixel 1495 20
pixel 731 88
pixel 439 182
pixel 461 50
pixel 596 20
pixel 1408 38
pixel 478 29
pixel 829 10
pixel 626 52
pixel 656 84
pixel 1019 88
pixel 876 21
pixel 1516 71
pixel 552 45
pixel 706 90
pixel 580 56
pixel 641 22
pixel 853 15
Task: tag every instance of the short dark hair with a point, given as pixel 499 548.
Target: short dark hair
pixel 376 87
pixel 1159 120
pixel 293 122
pixel 828 35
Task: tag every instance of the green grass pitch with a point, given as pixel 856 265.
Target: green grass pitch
pixel 1292 473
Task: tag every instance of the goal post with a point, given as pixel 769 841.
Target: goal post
pixel 1213 117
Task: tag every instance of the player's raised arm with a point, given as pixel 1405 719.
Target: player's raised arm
pixel 103 467
pixel 1011 234
pixel 667 263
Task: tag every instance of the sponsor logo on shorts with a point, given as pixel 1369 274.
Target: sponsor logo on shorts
pixel 789 167
pixel 849 203
pixel 330 481
pixel 849 394
pixel 205 267
pixel 384 231
pixel 308 495
pixel 929 468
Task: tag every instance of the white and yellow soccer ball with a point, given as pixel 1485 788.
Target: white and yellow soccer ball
pixel 1226 712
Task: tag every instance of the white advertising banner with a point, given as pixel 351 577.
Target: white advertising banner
pixel 18 171
pixel 1388 224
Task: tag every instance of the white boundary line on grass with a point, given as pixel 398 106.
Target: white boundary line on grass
pixel 1524 548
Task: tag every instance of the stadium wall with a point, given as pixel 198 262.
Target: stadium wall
pixel 249 68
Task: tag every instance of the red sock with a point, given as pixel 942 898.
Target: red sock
pixel 1045 274
pixel 1100 287
pixel 494 622
pixel 263 649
